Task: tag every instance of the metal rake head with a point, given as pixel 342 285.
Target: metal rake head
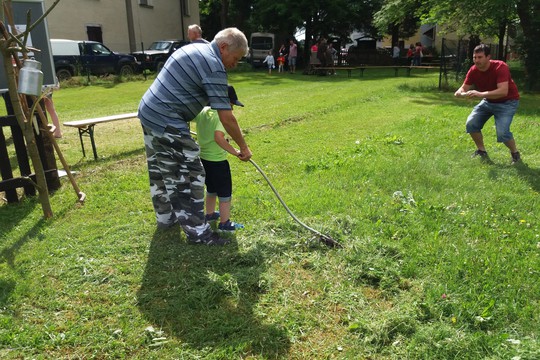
pixel 330 242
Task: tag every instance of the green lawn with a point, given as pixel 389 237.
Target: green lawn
pixel 440 257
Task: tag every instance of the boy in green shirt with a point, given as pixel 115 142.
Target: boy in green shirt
pixel 214 150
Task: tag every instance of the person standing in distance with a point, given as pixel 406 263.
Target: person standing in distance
pixel 193 77
pixel 396 52
pixel 500 99
pixel 293 53
pixel 194 34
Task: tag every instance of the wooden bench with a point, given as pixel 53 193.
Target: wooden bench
pixel 395 67
pixel 86 127
pixel 335 68
pixel 364 67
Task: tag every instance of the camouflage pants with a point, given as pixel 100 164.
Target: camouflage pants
pixel 176 181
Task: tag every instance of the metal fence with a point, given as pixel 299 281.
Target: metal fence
pixel 457 55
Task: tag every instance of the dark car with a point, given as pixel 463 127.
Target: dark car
pixel 78 57
pixel 157 54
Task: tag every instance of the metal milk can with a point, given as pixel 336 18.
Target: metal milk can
pixel 30 78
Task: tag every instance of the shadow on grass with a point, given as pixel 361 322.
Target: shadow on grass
pixel 11 215
pixel 7 255
pixel 9 251
pixel 532 176
pixel 205 296
pixel 434 96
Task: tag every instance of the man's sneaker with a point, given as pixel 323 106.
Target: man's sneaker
pixel 483 154
pixel 229 226
pixel 516 157
pixel 212 217
pixel 213 240
pixel 216 240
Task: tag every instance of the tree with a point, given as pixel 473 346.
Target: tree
pixel 219 14
pixel 319 18
pixel 482 18
pixel 399 18
pixel 476 19
pixel 529 16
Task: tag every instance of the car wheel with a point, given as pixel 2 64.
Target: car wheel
pixel 63 74
pixel 159 66
pixel 125 70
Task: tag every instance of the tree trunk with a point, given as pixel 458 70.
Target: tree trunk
pixel 395 34
pixel 502 35
pixel 224 13
pixel 307 44
pixel 528 15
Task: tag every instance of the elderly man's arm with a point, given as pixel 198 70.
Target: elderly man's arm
pixel 230 124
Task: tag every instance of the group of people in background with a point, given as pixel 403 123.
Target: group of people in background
pixel 323 55
pixel 415 54
pixel 287 55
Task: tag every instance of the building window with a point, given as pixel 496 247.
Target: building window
pixel 146 3
pixel 94 33
pixel 185 7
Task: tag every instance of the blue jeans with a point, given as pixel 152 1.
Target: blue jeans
pixel 503 113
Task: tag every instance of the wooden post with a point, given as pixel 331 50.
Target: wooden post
pixel 25 124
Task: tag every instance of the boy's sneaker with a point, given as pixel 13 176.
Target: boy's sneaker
pixel 483 154
pixel 212 217
pixel 229 226
pixel 516 157
pixel 213 240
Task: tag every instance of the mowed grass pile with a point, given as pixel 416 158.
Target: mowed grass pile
pixel 440 256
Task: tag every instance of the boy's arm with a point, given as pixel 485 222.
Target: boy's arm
pixel 231 126
pixel 219 138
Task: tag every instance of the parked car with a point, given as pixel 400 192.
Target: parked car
pixel 78 57
pixel 157 54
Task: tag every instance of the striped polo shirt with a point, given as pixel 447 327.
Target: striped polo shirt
pixel 192 78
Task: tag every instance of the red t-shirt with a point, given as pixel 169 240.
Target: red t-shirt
pixel 497 72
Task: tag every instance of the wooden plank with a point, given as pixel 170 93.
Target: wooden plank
pixel 396 67
pixel 5 169
pixel 335 68
pixel 18 182
pixel 9 120
pixel 22 157
pixel 87 122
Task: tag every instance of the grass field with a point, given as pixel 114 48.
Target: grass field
pixel 440 257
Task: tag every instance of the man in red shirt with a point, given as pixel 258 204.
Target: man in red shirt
pixel 500 98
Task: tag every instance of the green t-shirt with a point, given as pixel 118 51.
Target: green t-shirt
pixel 207 123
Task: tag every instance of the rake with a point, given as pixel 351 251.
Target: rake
pixel 325 239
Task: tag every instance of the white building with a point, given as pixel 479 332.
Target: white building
pixel 122 25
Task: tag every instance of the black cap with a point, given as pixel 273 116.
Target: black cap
pixel 233 97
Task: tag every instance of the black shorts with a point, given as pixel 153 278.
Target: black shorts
pixel 218 178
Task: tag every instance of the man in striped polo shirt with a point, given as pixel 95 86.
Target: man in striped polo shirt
pixel 193 77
